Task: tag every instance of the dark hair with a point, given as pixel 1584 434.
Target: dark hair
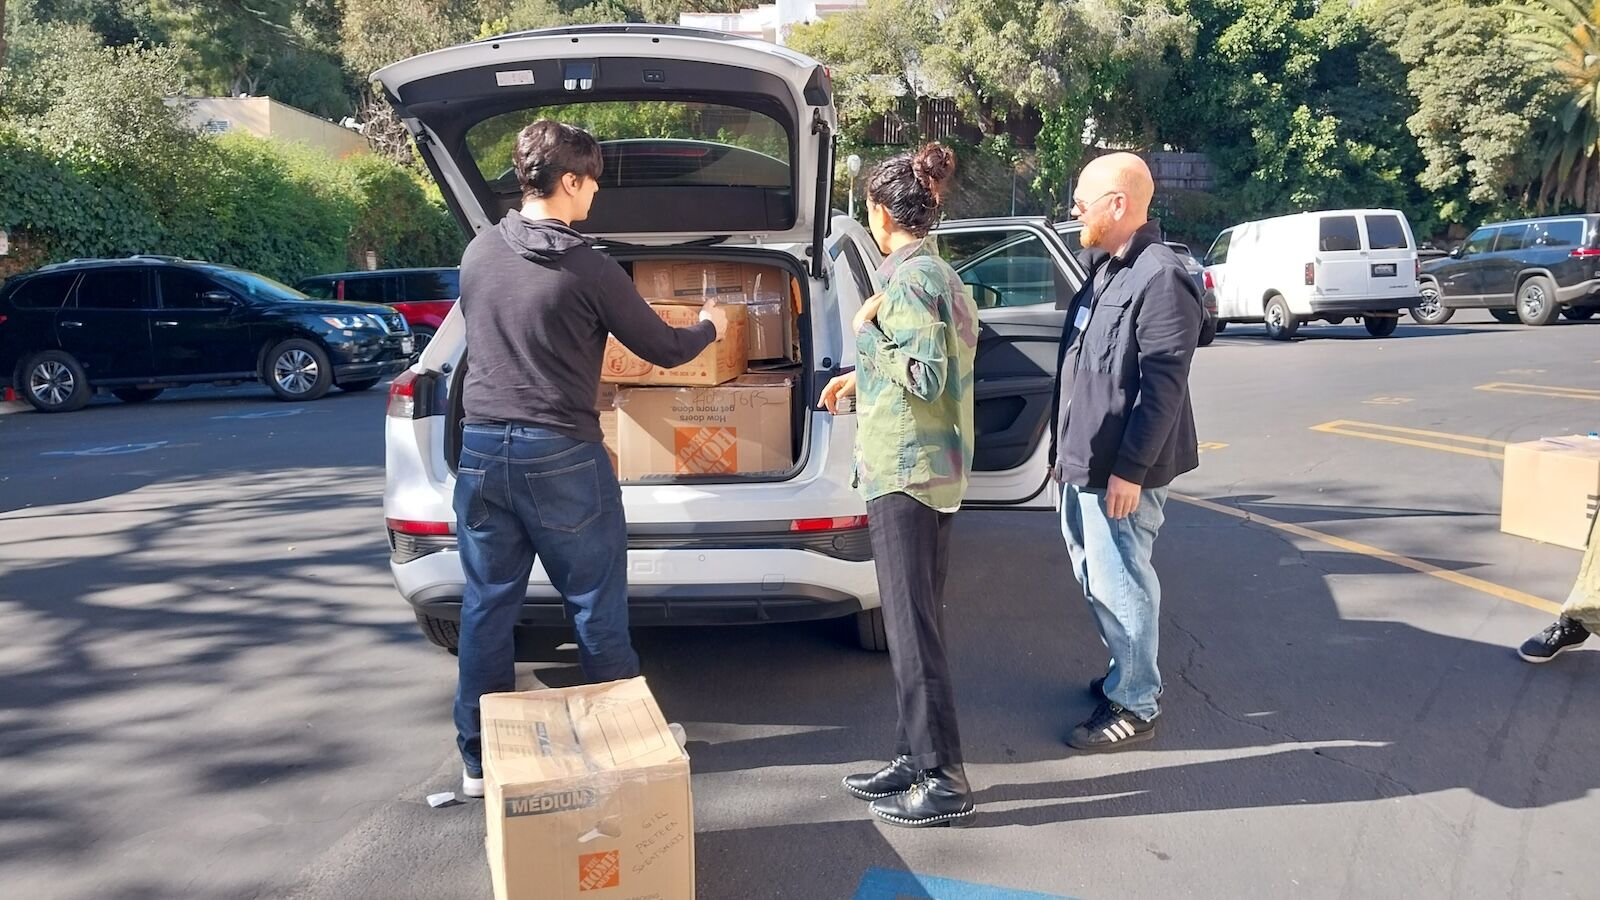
pixel 911 186
pixel 547 150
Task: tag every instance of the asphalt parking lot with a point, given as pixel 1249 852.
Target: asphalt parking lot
pixel 209 687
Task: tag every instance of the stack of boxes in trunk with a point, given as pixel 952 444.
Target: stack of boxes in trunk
pixel 712 415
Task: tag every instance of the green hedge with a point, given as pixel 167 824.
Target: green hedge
pixel 283 210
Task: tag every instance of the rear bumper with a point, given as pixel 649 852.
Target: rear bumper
pixel 1355 306
pixel 722 604
pixel 1585 293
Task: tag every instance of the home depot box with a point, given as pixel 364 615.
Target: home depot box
pixel 722 361
pixel 737 428
pixel 605 403
pixel 1552 487
pixel 764 289
pixel 587 796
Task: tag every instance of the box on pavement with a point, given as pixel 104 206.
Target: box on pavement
pixel 587 796
pixel 724 360
pixel 1552 489
pixel 765 290
pixel 738 428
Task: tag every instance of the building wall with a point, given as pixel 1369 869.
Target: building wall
pixel 265 117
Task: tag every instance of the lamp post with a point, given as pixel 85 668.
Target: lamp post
pixel 852 164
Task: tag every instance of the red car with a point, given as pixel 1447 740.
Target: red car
pixel 423 296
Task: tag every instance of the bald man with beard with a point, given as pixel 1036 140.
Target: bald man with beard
pixel 1124 429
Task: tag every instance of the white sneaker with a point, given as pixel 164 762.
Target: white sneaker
pixel 471 787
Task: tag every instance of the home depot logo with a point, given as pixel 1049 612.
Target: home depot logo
pixel 554 802
pixel 706 451
pixel 599 870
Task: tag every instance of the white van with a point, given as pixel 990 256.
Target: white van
pixel 1317 266
pixel 733 162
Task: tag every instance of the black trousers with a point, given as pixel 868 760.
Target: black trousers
pixel 911 545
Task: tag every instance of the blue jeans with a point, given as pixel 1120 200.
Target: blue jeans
pixel 524 494
pixel 1111 558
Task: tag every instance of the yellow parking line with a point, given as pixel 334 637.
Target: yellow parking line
pixel 1414 437
pixel 1541 390
pixel 1499 591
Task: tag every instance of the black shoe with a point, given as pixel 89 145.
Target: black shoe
pixel 942 797
pixel 1111 728
pixel 895 778
pixel 1097 687
pixel 1553 641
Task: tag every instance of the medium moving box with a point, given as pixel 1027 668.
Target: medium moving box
pixel 737 428
pixel 724 360
pixel 1552 488
pixel 764 289
pixel 606 405
pixel 587 796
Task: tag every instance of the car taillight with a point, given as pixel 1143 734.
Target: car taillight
pixel 1585 253
pixel 403 396
pixel 1210 283
pixel 412 526
pixel 1311 273
pixel 1419 270
pixel 838 523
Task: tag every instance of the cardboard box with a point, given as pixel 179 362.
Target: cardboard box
pixel 738 428
pixel 723 361
pixel 587 796
pixel 605 404
pixel 1552 488
pixel 688 280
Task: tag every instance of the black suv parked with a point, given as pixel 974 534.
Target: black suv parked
pixel 1530 271
pixel 139 325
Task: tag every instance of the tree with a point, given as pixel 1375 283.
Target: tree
pixel 1563 38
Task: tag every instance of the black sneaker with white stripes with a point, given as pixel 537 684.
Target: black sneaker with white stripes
pixel 1553 641
pixel 1110 728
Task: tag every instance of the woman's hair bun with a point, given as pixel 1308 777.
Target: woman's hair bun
pixel 933 165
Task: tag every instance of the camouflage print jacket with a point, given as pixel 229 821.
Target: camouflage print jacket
pixel 914 383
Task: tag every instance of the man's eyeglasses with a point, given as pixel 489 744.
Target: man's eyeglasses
pixel 1079 207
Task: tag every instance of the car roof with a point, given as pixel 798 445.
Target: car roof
pixel 141 259
pixel 1588 217
pixel 375 273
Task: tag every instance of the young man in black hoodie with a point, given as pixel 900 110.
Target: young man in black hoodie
pixel 534 480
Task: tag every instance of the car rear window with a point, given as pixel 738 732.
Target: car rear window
pixel 1339 233
pixel 1512 237
pixel 113 289
pixel 43 291
pixel 1386 233
pixel 1567 233
pixel 420 286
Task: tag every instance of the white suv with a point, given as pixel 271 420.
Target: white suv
pixel 736 167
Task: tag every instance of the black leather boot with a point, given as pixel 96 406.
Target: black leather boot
pixel 942 797
pixel 895 778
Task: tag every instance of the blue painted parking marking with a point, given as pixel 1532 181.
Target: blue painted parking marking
pixel 884 884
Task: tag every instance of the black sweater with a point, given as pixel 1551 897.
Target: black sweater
pixel 538 302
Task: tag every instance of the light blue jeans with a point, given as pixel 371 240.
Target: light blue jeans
pixel 1111 559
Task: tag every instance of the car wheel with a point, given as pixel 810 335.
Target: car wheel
pixel 1222 325
pixel 298 369
pixel 870 631
pixel 1579 313
pixel 440 632
pixel 136 395
pixel 1208 331
pixel 1430 310
pixel 1381 326
pixel 362 385
pixel 1505 316
pixel 54 382
pixel 422 335
pixel 1536 301
pixel 1281 323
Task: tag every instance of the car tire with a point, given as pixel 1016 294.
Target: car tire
pixel 297 369
pixel 1505 316
pixel 54 382
pixel 1222 325
pixel 440 632
pixel 1281 323
pixel 1431 310
pixel 1381 326
pixel 136 395
pixel 362 385
pixel 1208 331
pixel 1580 313
pixel 871 633
pixel 1536 301
pixel 422 335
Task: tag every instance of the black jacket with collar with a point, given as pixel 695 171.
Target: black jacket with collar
pixel 1125 410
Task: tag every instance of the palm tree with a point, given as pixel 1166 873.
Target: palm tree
pixel 1565 35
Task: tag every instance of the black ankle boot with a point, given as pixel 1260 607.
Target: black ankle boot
pixel 942 797
pixel 895 778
